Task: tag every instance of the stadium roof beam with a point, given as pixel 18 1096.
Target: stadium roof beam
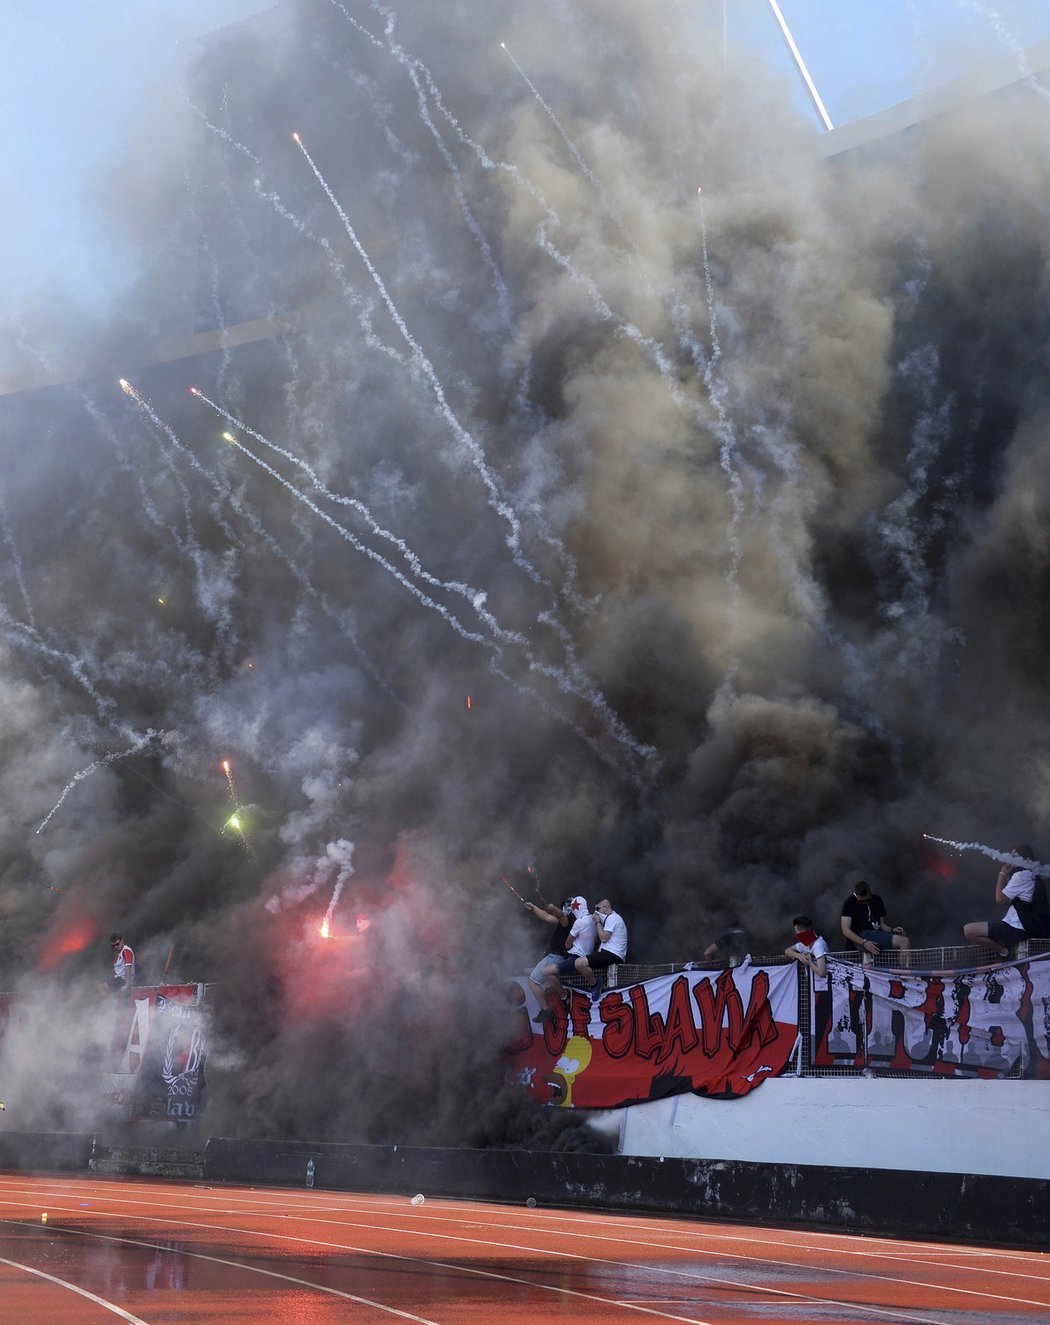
pixel 800 64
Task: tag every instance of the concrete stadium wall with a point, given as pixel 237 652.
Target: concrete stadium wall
pixel 973 1208
pixel 964 1127
pixel 46 1152
pixel 906 1203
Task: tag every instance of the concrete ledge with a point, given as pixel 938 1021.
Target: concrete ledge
pixel 962 1207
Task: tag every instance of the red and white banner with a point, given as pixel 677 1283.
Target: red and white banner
pixel 716 1033
pixel 980 1023
pixel 160 1054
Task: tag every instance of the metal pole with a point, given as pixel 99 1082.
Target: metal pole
pixel 811 87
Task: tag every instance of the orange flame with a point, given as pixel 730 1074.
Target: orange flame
pixel 225 765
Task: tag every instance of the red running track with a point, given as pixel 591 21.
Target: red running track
pixel 148 1252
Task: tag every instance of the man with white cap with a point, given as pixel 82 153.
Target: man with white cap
pixel 545 977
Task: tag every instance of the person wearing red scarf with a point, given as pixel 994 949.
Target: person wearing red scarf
pixel 809 948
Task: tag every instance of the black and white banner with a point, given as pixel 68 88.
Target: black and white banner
pixel 985 1022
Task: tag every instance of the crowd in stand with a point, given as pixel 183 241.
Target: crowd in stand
pixel 592 941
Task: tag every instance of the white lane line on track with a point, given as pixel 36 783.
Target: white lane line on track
pixel 853 1276
pixel 387 1255
pixel 694 1229
pixel 237 1265
pixel 73 1288
pixel 734 1284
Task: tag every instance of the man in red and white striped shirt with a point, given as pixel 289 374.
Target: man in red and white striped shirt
pixel 123 962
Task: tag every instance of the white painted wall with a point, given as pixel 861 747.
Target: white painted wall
pixel 1000 1127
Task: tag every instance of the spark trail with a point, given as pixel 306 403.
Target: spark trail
pixel 227 768
pixel 104 762
pixel 476 597
pixel 495 498
pixel 615 726
pixel 234 822
pixel 423 83
pixel 472 223
pixel 363 548
pixel 585 169
pixel 258 528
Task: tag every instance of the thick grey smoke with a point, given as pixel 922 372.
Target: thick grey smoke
pixel 690 548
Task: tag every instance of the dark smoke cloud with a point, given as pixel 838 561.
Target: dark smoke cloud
pixel 777 603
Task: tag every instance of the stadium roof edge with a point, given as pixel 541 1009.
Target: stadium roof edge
pixel 990 77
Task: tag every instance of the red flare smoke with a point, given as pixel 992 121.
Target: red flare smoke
pixel 73 937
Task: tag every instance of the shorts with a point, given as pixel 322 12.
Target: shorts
pixel 1005 934
pixel 879 936
pixel 598 961
pixel 551 959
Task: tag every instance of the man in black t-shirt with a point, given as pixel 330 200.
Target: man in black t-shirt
pixel 864 924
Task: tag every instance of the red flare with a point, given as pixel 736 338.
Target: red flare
pixel 74 938
pixel 468 701
pixel 297 139
pixel 324 931
pixel 194 391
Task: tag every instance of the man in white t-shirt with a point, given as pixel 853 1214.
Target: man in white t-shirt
pixel 545 977
pixel 612 933
pixel 1025 892
pixel 809 948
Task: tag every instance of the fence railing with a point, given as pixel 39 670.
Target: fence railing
pixel 937 960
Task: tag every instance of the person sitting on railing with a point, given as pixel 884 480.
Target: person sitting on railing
pixel 864 924
pixel 1029 912
pixel 612 935
pixel 809 948
pixel 545 978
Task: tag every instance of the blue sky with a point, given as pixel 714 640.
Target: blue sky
pixel 74 79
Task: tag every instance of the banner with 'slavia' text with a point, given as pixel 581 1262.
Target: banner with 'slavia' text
pixel 716 1033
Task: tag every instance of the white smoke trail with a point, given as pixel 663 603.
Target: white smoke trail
pixel 727 455
pixel 585 169
pixel 1010 41
pixel 104 762
pixel 476 597
pixel 495 500
pixel 16 563
pixel 592 697
pixel 1003 857
pixel 30 639
pixel 366 551
pixel 338 616
pixel 340 853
